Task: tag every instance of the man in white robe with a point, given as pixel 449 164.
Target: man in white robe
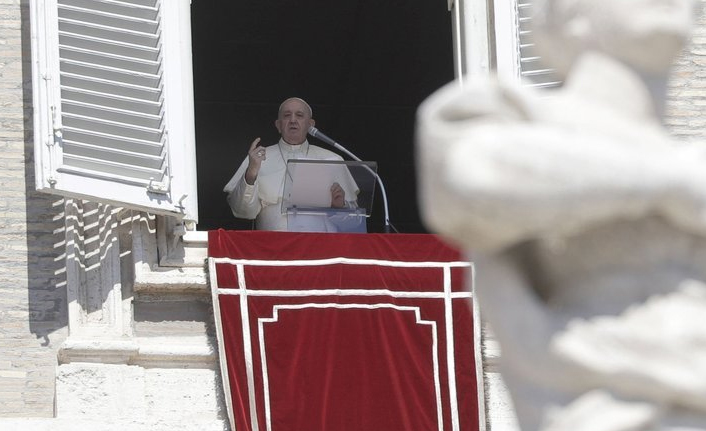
pixel 256 189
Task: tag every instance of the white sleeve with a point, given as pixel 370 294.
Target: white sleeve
pixel 243 198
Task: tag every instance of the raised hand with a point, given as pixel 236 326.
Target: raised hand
pixel 256 155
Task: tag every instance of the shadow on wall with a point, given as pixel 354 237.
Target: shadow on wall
pixel 46 264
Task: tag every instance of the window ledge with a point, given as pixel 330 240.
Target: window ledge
pixel 165 352
pixel 172 279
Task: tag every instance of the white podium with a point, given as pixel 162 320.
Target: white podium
pixel 307 195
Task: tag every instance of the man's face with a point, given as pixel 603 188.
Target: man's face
pixel 293 121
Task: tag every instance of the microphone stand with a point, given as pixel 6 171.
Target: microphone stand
pixel 313 131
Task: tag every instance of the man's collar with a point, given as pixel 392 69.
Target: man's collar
pixel 293 148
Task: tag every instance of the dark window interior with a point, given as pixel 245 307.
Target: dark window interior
pixel 363 65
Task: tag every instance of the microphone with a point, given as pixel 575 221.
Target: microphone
pixel 316 133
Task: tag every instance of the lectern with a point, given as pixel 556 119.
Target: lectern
pixel 307 195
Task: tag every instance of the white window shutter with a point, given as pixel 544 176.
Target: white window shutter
pixel 530 66
pixel 517 57
pixel 113 102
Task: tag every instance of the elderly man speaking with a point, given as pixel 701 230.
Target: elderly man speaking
pixel 255 191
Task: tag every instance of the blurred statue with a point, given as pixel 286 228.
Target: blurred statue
pixel 586 221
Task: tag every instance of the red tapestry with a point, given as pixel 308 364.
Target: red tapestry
pixel 343 332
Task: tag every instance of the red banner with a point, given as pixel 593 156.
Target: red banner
pixel 343 332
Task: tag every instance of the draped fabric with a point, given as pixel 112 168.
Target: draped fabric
pixel 343 331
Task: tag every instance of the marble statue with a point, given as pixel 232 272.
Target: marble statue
pixel 585 219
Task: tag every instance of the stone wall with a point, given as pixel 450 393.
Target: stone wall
pixel 32 281
pixel 686 104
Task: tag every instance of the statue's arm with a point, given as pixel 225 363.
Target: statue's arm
pixel 491 177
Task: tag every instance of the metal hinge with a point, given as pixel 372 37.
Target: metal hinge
pixel 57 136
pixel 158 187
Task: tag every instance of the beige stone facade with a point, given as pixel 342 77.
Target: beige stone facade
pixel 79 349
pixel 33 312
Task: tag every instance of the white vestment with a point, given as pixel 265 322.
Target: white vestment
pixel 262 200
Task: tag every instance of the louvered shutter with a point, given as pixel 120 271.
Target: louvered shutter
pixel 114 102
pixel 530 66
pixel 515 48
